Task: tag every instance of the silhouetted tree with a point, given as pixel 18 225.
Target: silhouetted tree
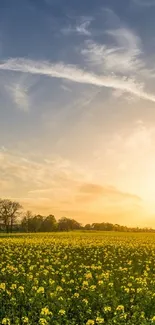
pixel 88 227
pixel 66 224
pixel 26 221
pixel 9 212
pixel 49 224
pixel 35 223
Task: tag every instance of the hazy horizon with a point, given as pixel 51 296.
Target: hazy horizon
pixel 77 108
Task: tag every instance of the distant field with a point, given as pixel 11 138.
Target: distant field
pixel 77 278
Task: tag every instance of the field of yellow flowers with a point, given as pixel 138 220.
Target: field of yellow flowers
pixel 77 278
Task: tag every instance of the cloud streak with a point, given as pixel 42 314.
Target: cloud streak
pixel 58 186
pixel 122 57
pixel 20 90
pixel 145 3
pixel 31 175
pixel 82 28
pixel 75 74
pixel 20 96
pixel 92 191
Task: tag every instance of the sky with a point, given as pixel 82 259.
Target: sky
pixel 77 108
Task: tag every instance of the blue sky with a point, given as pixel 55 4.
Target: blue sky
pixel 77 108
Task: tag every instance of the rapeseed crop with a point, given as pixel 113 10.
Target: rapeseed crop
pixel 77 278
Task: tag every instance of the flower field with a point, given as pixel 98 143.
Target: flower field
pixel 77 278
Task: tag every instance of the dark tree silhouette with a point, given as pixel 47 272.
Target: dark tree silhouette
pixel 9 212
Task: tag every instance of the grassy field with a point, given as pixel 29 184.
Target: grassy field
pixel 77 278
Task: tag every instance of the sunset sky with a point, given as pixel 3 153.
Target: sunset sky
pixel 77 108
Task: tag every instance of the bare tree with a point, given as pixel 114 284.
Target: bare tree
pixel 9 211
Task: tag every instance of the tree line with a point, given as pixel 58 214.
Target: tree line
pixel 13 219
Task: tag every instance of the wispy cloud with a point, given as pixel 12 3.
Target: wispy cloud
pixel 126 38
pixel 91 191
pixel 58 186
pixel 123 57
pixel 19 95
pixel 19 89
pixel 55 173
pixel 75 74
pixel 81 28
pixel 65 88
pixel 145 3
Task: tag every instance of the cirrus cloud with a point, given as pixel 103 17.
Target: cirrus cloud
pixel 75 74
pixel 145 3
